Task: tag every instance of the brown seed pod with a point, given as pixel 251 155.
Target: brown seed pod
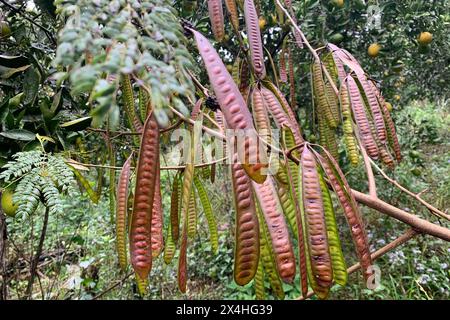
pixel 147 167
pixel 361 119
pixel 232 10
pixel 374 107
pixel 274 103
pixel 283 72
pixel 182 259
pixel 234 108
pixel 216 17
pixel 390 126
pixel 121 212
pixel 315 221
pixel 254 38
pixel 350 208
pixel 246 253
pixel 260 115
pixel 157 219
pixel 278 230
pixel 175 208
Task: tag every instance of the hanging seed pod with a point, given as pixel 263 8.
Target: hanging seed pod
pixel 260 115
pixel 288 208
pixel 267 257
pixel 316 229
pixel 121 212
pixel 141 285
pixel 175 208
pixel 234 108
pixel 192 216
pixel 232 10
pixel 334 244
pixel 259 282
pixel 216 17
pixel 278 231
pixel 374 107
pixel 320 95
pixel 207 210
pixel 157 219
pixel 254 39
pixel 182 259
pixel 144 101
pixel 147 167
pixel 350 208
pixel 169 246
pixel 390 127
pixel 128 96
pixel 347 126
pixel 321 292
pixel 283 71
pixel 361 119
pixel 246 253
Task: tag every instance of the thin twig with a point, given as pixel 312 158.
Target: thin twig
pixel 47 32
pixel 310 48
pixel 37 255
pixel 369 172
pixel 101 294
pixel 433 210
pixel 3 257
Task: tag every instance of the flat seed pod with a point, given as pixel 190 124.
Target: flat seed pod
pixel 321 292
pixel 374 106
pixel 169 246
pixel 287 108
pixel 207 210
pixel 351 210
pixel 279 115
pixel 122 212
pixel 182 260
pixel 260 115
pixel 157 219
pixel 234 108
pixel 278 231
pixel 128 97
pixel 390 127
pixel 246 253
pixel 192 216
pixel 288 208
pixel 144 101
pixel 282 64
pixel 175 208
pixel 347 126
pixel 232 10
pixel 141 285
pixel 361 119
pixel 254 39
pixel 147 167
pixel 316 229
pixel 321 96
pixel 334 243
pixel 216 17
pixel 259 282
pixel 267 257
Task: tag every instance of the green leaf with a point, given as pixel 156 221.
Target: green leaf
pixel 31 83
pixel 19 134
pixel 6 72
